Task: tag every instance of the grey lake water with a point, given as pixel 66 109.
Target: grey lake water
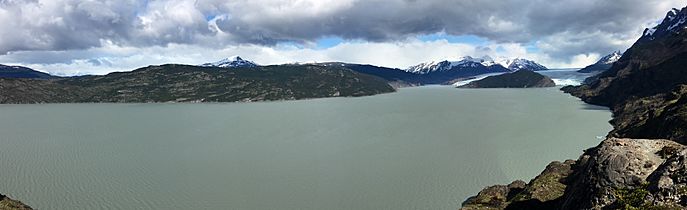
pixel 419 148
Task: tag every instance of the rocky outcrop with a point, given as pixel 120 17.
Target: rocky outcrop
pixel 609 174
pixel 617 174
pixel 9 204
pixel 668 184
pixel 518 79
pixel 542 192
pixel 494 197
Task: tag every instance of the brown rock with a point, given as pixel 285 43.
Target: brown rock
pixel 614 164
pixel 9 204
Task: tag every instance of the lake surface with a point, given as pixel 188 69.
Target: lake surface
pixel 420 148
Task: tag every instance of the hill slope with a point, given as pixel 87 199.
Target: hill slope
pixel 518 79
pixel 182 83
pixel 22 72
pixel 395 77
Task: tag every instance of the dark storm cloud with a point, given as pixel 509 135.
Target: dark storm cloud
pixel 583 26
pixel 583 23
pixel 372 20
pixel 380 20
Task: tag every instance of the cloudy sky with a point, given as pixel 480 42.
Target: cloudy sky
pixel 70 37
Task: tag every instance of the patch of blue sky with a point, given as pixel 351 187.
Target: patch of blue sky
pixel 531 47
pixel 328 42
pixel 332 41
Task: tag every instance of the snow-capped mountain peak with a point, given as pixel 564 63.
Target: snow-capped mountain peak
pixel 674 22
pixel 473 62
pixel 603 64
pixel 611 58
pixel 522 64
pixel 468 61
pixel 428 67
pixel 232 62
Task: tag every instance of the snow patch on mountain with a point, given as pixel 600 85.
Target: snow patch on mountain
pixel 232 62
pixel 611 58
pixel 522 64
pixel 674 22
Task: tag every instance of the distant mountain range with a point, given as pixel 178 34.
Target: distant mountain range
pixel 495 65
pixel 442 72
pixel 603 64
pixel 209 82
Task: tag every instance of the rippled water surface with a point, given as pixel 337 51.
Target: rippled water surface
pixel 420 148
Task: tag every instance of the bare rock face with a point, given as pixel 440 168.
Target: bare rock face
pixel 549 185
pixel 494 197
pixel 543 192
pixel 668 183
pixel 616 164
pixel 9 204
pixel 617 174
